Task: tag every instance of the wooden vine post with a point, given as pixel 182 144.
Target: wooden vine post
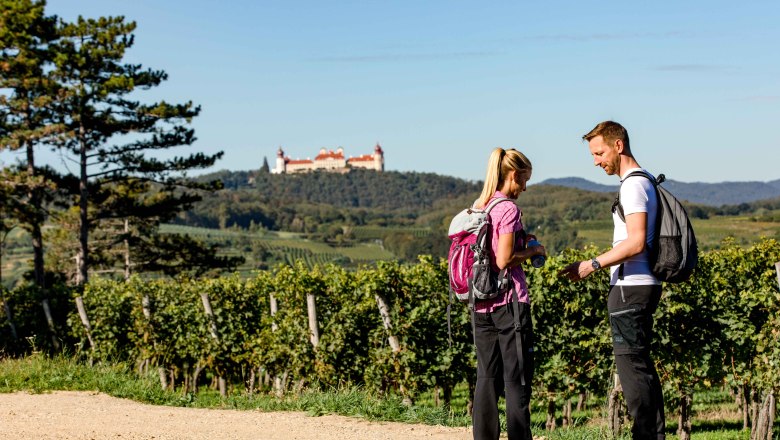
pixel 80 305
pixel 85 320
pixel 614 416
pixel 765 419
pixel 274 327
pixel 213 330
pixel 314 331
pixel 384 312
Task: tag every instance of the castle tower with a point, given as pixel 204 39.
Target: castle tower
pixel 280 163
pixel 379 158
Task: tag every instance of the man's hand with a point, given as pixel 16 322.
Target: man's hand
pixel 577 271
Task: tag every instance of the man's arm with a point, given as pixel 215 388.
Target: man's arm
pixel 636 226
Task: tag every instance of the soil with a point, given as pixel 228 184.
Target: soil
pixel 83 415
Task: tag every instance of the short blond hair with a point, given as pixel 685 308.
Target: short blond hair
pixel 611 131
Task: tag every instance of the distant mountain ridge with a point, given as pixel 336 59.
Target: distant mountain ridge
pixel 712 194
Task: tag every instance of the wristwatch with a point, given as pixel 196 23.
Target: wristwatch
pixel 595 263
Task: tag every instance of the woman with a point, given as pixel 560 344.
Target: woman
pixel 499 367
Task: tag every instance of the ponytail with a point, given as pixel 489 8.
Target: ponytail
pixel 493 177
pixel 500 163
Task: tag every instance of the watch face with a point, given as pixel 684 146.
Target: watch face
pixel 595 263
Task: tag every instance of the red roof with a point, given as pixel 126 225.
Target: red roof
pixel 363 158
pixel 297 161
pixel 329 155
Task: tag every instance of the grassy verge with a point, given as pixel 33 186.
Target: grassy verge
pixel 40 374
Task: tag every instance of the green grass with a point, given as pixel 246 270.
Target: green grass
pixel 39 374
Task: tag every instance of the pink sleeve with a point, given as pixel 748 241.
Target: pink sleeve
pixel 509 219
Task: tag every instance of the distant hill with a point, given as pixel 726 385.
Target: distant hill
pixel 711 194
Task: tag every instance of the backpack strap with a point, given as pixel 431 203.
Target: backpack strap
pixel 618 207
pixel 518 334
pixel 495 202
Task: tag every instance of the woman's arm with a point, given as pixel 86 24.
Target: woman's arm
pixel 506 256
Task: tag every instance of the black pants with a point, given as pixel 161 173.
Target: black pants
pixel 498 369
pixel 631 318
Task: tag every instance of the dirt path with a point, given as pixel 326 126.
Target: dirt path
pixel 79 415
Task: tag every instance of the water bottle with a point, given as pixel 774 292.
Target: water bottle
pixel 536 260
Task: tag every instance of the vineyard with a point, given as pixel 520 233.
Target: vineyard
pixel 263 247
pixel 385 328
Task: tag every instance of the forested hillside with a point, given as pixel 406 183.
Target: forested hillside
pixel 710 194
pixel 407 212
pixel 325 205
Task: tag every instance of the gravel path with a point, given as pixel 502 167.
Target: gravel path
pixel 80 415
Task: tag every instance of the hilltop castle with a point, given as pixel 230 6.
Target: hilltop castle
pixel 329 160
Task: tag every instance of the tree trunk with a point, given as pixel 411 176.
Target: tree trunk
pixel 85 321
pixel 36 202
pixel 314 331
pixel 447 395
pixel 7 309
pixel 745 393
pixel 551 423
pixel 83 273
pixel 772 412
pixel 195 376
pixel 684 422
pixel 738 398
pixel 127 249
pixel 567 422
pixel 755 405
pixel 765 423
pixel 384 312
pixel 581 401
pixel 614 416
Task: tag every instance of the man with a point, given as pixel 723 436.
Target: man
pixel 634 291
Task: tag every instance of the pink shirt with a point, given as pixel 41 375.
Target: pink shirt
pixel 505 218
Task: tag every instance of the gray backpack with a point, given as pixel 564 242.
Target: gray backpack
pixel 674 252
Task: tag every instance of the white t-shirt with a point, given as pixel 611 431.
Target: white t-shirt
pixel 637 194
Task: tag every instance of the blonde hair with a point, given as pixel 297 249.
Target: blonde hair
pixel 501 162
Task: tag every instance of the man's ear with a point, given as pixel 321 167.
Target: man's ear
pixel 619 146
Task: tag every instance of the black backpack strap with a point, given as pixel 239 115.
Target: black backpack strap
pixel 618 207
pixel 449 307
pixel 518 334
pixel 472 311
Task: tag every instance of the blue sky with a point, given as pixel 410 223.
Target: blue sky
pixel 441 83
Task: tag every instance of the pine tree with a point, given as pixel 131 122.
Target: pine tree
pixel 96 108
pixel 265 168
pixel 26 120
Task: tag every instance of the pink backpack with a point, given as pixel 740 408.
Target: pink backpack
pixel 469 257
